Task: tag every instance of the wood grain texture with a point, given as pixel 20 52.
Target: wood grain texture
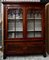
pixel 25 45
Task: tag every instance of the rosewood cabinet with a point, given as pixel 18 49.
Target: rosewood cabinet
pixel 24 28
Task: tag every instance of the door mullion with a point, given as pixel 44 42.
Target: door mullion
pixel 24 23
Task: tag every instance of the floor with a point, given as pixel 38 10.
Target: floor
pixel 24 58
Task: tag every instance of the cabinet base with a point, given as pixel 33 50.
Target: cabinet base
pixel 44 55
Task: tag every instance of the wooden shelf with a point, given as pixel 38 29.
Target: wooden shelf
pixel 15 18
pixel 34 18
pixel 34 31
pixel 15 31
pixel 30 18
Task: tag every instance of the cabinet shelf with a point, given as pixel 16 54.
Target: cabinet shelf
pixel 34 31
pixel 14 31
pixel 11 20
pixel 38 18
pixel 22 18
pixel 30 30
pixel 11 30
pixel 15 19
pixel 19 18
pixel 34 18
pixel 30 18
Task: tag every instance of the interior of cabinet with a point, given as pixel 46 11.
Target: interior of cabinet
pixel 15 23
pixel 34 23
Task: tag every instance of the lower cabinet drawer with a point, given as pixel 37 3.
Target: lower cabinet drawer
pixel 24 47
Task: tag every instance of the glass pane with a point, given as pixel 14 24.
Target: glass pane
pixel 30 25
pixel 38 34
pixel 30 14
pixel 38 19
pixel 11 14
pixel 19 23
pixel 19 13
pixel 30 34
pixel 10 35
pixel 38 26
pixel 11 23
pixel 11 26
pixel 19 35
pixel 30 20
pixel 37 15
pixel 19 20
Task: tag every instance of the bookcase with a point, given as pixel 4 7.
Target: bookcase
pixel 24 28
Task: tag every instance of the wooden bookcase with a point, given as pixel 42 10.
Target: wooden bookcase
pixel 24 28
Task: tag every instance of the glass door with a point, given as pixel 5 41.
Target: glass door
pixel 34 23
pixel 15 23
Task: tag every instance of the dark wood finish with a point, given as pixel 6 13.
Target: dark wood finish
pixel 24 46
pixel 47 28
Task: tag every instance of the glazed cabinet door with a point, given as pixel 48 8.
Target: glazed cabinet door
pixel 14 22
pixel 34 23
